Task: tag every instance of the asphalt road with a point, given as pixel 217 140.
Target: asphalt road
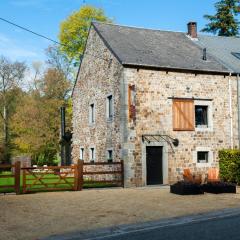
pixel 219 225
pixel 217 229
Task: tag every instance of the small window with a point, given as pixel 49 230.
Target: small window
pixel 92 154
pixel 81 153
pixel 109 155
pixel 202 157
pixel 110 107
pixel 236 54
pixel 92 113
pixel 201 116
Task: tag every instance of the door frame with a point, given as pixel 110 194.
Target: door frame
pixel 164 160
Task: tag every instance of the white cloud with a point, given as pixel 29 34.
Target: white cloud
pixel 11 49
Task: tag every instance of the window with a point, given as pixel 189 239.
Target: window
pixel 236 54
pixel 190 115
pixel 202 157
pixel 132 102
pixel 110 107
pixel 109 155
pixel 201 116
pixel 92 113
pixel 92 154
pixel 81 153
pixel 183 115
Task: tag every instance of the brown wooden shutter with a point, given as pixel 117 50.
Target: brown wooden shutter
pixel 131 102
pixel 183 115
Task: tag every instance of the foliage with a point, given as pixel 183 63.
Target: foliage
pixel 59 60
pixel 224 22
pixel 2 153
pixel 74 30
pixel 36 123
pixel 11 75
pixel 229 164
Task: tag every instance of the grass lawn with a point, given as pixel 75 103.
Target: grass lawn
pixel 62 186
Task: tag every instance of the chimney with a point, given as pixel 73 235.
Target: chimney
pixel 192 29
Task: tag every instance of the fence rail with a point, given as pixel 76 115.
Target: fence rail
pixel 16 168
pixel 53 178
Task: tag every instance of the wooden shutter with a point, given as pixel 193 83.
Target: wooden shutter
pixel 131 102
pixel 183 115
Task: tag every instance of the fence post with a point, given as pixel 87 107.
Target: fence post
pixel 17 176
pixel 122 169
pixel 78 176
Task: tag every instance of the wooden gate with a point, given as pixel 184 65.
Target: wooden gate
pixel 15 176
pixel 52 178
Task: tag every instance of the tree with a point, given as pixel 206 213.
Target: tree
pixel 74 30
pixel 11 74
pixel 224 22
pixel 59 60
pixel 36 123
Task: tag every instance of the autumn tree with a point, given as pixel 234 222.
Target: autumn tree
pixel 224 23
pixel 74 30
pixel 36 122
pixel 11 74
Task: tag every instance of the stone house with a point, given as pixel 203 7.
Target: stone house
pixel 162 101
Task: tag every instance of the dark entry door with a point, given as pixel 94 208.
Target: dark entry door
pixel 154 165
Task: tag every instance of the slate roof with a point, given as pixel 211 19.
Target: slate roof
pixel 154 48
pixel 222 48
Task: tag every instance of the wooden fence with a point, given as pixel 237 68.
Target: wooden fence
pixel 52 178
pixel 15 175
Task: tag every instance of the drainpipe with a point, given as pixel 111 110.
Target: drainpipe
pixel 238 104
pixel 230 109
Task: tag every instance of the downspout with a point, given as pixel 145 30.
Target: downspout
pixel 230 109
pixel 238 104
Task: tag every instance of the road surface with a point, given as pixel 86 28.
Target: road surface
pixel 221 225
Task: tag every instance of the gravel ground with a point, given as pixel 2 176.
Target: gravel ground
pixel 32 216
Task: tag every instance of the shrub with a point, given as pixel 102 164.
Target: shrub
pixel 229 164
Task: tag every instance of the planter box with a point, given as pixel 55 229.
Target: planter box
pixel 219 187
pixel 186 188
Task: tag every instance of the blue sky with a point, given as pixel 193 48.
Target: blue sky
pixel 44 17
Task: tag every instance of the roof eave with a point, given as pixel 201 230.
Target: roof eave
pixel 185 70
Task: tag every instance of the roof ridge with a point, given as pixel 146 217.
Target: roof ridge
pixel 135 27
pixel 224 37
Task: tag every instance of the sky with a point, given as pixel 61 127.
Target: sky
pixel 45 16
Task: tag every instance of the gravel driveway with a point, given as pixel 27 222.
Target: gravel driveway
pixel 32 216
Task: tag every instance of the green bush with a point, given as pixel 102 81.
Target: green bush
pixel 229 164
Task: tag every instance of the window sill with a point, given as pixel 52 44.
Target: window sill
pixel 208 164
pixel 203 129
pixel 109 120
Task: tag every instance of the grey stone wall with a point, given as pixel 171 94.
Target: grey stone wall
pixel 100 75
pixel 154 116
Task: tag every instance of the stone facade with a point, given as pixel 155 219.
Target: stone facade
pixel 104 75
pixel 154 90
pixel 100 75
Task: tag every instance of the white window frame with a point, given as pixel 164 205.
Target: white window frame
pixel 81 153
pixel 209 127
pixel 210 156
pixel 109 118
pixel 107 153
pixel 92 113
pixel 92 155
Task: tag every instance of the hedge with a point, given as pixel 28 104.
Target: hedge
pixel 229 164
